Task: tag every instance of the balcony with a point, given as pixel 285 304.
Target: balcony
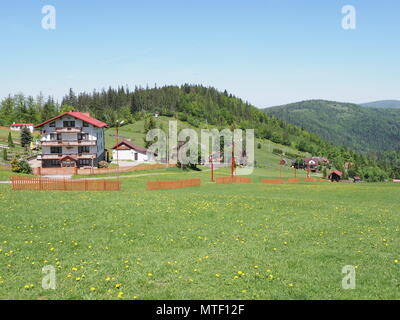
pixel 68 130
pixel 67 143
pixel 59 156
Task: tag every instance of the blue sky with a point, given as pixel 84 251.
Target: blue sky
pixel 267 52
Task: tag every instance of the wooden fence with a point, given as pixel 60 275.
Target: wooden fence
pixel 234 179
pixel 91 171
pixel 272 181
pixel 24 183
pixel 176 184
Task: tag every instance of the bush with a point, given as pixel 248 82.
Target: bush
pixel 20 166
pixel 278 151
pixel 25 167
pixel 103 164
pixel 5 154
pixel 258 145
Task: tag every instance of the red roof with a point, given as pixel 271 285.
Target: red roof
pixel 80 116
pixel 21 124
pixel 337 172
pixel 130 146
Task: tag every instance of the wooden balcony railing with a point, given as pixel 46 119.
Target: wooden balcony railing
pixel 68 130
pixel 67 143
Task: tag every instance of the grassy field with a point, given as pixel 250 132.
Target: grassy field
pixel 233 241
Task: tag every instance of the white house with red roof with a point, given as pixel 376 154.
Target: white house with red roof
pixel 20 126
pixel 127 151
pixel 72 139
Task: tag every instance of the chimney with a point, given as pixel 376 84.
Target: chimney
pixel 86 114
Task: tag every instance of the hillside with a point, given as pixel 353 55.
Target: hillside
pixel 385 104
pixel 359 128
pixel 265 153
pixel 197 106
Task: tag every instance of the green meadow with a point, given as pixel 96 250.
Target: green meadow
pixel 231 241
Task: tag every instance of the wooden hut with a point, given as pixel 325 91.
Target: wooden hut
pixel 335 176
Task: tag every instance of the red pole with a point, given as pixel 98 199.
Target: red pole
pixel 117 147
pixel 233 159
pixel 212 169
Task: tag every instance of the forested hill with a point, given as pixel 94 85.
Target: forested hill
pixel 198 105
pixel 359 128
pixel 389 104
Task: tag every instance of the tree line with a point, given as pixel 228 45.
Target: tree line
pixel 200 106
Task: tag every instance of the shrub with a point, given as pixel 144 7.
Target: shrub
pixel 258 145
pixel 5 154
pixel 20 166
pixel 278 151
pixel 15 165
pixel 25 167
pixel 103 164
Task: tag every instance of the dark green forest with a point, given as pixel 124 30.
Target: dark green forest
pixel 199 106
pixel 363 129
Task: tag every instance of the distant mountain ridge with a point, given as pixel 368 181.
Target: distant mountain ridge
pixel 360 128
pixel 386 104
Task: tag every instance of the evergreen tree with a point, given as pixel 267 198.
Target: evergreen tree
pixel 149 124
pixel 26 138
pixel 10 141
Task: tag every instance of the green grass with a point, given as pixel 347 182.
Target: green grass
pixel 290 241
pixel 135 131
pixel 16 135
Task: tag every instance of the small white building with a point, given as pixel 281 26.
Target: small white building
pixel 130 152
pixel 20 126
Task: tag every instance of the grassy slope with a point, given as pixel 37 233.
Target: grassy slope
pixel 135 132
pixel 264 156
pixel 191 243
pixel 363 129
pixel 4 136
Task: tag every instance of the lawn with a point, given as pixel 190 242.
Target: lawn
pixel 233 241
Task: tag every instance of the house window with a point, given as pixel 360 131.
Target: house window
pixel 83 136
pixel 52 124
pixel 55 137
pixel 69 124
pixel 55 149
pixel 55 162
pixel 85 124
pixel 83 149
pixel 136 156
pixel 84 162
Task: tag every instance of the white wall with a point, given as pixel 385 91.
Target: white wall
pixel 130 155
pixel 95 134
